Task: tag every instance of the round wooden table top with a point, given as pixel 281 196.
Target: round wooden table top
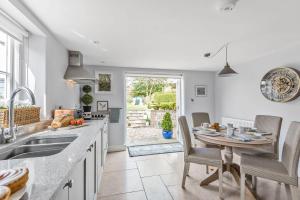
pixel 230 142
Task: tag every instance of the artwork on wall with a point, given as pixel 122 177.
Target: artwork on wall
pixel 200 90
pixel 102 105
pixel 281 84
pixel 104 84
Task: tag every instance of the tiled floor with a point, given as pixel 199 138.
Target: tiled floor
pixel 158 177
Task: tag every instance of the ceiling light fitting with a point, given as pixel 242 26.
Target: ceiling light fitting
pixel 226 5
pixel 227 70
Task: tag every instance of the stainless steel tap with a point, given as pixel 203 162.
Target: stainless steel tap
pixel 10 133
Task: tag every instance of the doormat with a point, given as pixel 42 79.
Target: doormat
pixel 143 150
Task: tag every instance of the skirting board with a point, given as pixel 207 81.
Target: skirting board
pixel 116 148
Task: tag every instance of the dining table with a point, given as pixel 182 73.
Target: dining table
pixel 221 139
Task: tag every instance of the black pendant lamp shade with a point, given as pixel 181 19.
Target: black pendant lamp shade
pixel 227 70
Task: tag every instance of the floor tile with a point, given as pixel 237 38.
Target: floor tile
pixel 119 165
pixel 162 175
pixel 171 179
pixel 155 189
pixel 127 196
pixel 154 167
pixel 120 182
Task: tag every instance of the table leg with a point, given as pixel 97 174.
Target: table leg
pixel 234 169
pixel 228 157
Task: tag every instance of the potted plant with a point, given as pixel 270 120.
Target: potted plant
pixel 167 126
pixel 87 99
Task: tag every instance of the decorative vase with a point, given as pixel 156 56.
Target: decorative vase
pixel 167 134
pixel 87 108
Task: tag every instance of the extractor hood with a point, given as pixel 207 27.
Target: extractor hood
pixel 75 71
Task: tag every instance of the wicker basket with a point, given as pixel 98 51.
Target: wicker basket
pixel 22 116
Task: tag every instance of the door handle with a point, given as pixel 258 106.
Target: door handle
pixel 90 147
pixel 68 184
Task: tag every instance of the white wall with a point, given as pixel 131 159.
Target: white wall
pixel 240 96
pixel 47 62
pixel 59 92
pixel 190 79
pixel 36 72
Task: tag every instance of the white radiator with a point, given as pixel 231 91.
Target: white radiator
pixel 237 122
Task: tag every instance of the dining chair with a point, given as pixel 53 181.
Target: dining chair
pixel 267 124
pixel 198 119
pixel 285 171
pixel 204 156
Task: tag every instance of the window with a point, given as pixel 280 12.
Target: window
pixel 9 64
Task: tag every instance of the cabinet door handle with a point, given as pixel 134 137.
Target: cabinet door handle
pixel 68 184
pixel 90 147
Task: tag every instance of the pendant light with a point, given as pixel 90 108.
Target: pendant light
pixel 227 70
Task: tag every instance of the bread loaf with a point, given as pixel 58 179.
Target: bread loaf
pixel 61 121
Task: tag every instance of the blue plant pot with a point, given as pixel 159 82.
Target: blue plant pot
pixel 167 134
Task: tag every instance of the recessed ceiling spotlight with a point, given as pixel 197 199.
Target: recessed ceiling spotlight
pixel 78 34
pixel 226 5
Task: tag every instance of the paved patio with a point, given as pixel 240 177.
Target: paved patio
pixel 147 135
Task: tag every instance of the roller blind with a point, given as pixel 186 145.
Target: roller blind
pixel 11 27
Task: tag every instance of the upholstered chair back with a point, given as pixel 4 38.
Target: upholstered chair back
pixel 270 124
pixel 291 149
pixel 200 118
pixel 184 128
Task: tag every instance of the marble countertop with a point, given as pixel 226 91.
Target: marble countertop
pixel 46 174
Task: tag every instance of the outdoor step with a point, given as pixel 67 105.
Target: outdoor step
pixel 135 117
pixel 137 126
pixel 137 122
pixel 136 111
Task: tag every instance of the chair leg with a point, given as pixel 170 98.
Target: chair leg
pixel 291 190
pixel 254 182
pixel 185 172
pixel 243 180
pixel 188 169
pixel 221 182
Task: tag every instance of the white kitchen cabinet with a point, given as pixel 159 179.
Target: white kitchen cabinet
pixel 73 187
pixel 104 142
pixel 99 158
pixel 84 181
pixel 91 174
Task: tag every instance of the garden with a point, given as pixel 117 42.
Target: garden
pixel 149 102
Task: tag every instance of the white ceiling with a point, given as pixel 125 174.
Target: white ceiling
pixel 169 34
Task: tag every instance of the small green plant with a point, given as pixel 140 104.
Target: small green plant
pixel 166 123
pixel 87 89
pixel 87 99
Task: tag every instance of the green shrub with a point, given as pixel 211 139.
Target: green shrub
pixel 167 106
pixel 164 101
pixel 166 123
pixel 86 88
pixel 87 99
pixel 159 97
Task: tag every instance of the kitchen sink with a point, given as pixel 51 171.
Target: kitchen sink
pixel 49 140
pixel 37 147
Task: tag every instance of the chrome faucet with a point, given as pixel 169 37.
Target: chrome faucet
pixel 10 133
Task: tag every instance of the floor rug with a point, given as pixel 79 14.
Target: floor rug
pixel 143 150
